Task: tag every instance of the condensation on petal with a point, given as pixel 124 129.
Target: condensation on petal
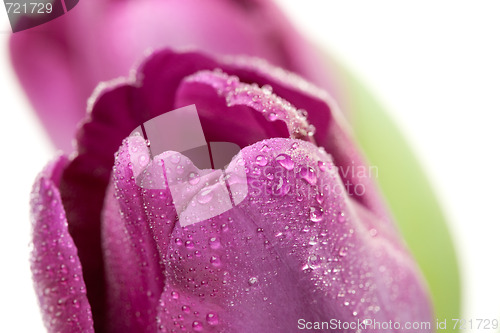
pixel 274 258
pixel 261 99
pixel 56 268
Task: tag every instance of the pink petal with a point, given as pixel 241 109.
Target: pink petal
pixel 134 276
pixel 332 130
pixel 50 75
pixel 162 84
pixel 57 272
pixel 297 247
pixel 238 112
pixel 101 40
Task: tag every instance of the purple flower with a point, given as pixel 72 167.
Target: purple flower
pixel 300 246
pixel 100 40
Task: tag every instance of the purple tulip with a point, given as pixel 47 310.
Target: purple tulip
pixel 100 40
pixel 110 253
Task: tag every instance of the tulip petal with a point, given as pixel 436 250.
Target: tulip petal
pixel 57 272
pixel 83 185
pixel 33 75
pixel 169 69
pixel 101 40
pixel 234 111
pixel 332 130
pixel 151 91
pixel 134 276
pixel 163 72
pixel 297 247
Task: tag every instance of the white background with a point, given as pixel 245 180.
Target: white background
pixel 434 64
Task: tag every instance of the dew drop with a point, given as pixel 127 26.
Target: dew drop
pixel 309 175
pixel 261 160
pixel 341 217
pixel 253 280
pixel 267 89
pixel 313 240
pixel 320 197
pixel 143 160
pixel 343 251
pixel 313 261
pixel 186 309
pixel 212 319
pixel 214 242
pixel 316 214
pixel 214 260
pixel 175 295
pixel 194 178
pixel 204 196
pixel 175 158
pixel 285 161
pixel 272 116
pixel 197 326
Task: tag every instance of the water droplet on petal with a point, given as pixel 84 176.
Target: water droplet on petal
pixel 343 251
pixel 214 243
pixel 309 175
pixel 341 217
pixel 215 261
pixel 143 160
pixel 212 319
pixel 175 158
pixel 316 213
pixel 267 89
pixel 313 261
pixel 194 178
pixel 261 160
pixel 186 308
pixel 197 326
pixel 321 165
pixel 272 116
pixel 175 295
pixel 285 161
pixel 320 197
pixel 204 196
pixel 253 280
